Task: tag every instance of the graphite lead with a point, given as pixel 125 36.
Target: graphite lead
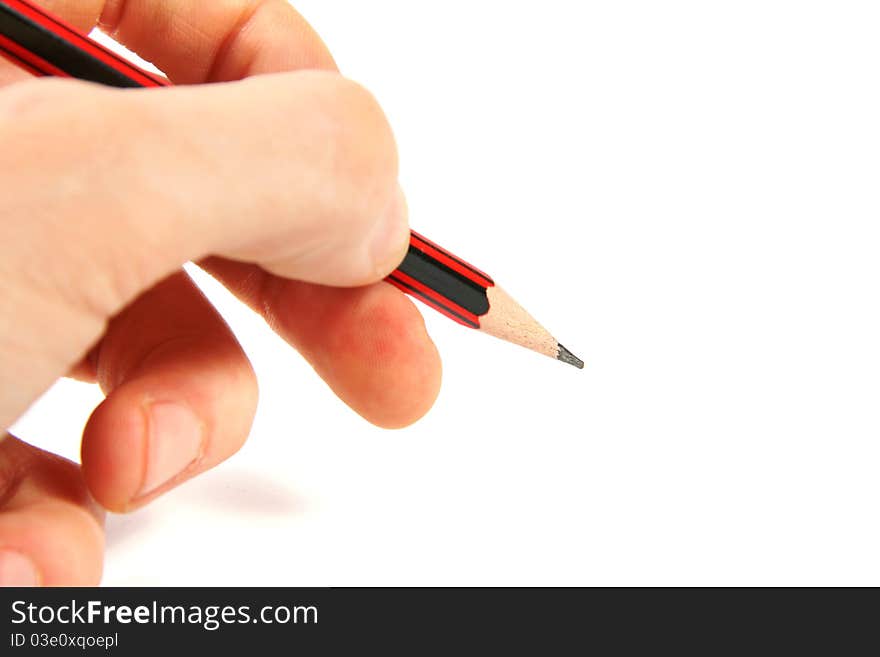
pixel 567 357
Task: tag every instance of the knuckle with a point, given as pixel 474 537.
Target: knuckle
pixel 52 115
pixel 62 130
pixel 364 157
pixel 34 98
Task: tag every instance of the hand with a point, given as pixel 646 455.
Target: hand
pixel 284 187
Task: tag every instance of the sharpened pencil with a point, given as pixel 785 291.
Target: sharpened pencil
pixel 470 297
pixel 46 45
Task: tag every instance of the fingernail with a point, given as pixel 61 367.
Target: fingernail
pixel 17 570
pixel 390 236
pixel 174 442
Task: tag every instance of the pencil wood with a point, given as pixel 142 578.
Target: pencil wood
pixel 509 321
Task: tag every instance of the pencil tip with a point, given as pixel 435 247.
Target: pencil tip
pixel 567 357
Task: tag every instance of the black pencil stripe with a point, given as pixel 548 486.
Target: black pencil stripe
pixel 15 58
pixel 58 52
pixel 422 295
pixel 447 282
pixel 104 50
pixel 454 257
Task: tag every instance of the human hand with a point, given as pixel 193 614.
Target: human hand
pixel 284 187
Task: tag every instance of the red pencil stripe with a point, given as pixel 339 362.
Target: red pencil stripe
pixel 71 34
pixel 437 307
pixel 453 262
pixel 437 299
pixel 434 295
pixel 31 61
pixel 19 62
pixel 392 278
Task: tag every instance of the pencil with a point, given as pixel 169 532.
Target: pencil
pixel 46 45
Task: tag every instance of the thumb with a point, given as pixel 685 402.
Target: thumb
pixel 296 172
pixel 105 192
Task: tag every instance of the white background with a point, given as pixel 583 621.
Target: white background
pixel 686 194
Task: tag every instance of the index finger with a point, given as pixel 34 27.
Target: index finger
pixel 193 41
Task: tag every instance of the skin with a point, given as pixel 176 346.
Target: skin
pixel 105 194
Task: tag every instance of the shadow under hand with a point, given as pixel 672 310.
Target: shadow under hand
pixel 243 492
pixel 227 491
